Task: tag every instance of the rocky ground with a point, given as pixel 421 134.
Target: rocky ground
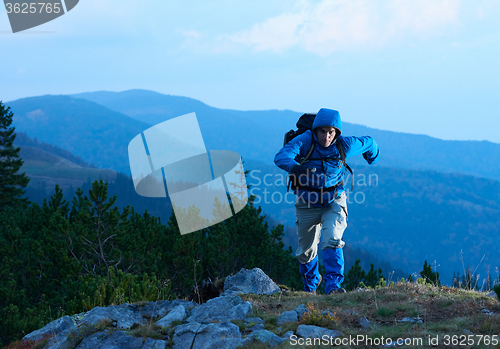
pixel 253 312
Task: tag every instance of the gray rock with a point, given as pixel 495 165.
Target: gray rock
pixel 53 328
pixel 257 320
pixel 108 340
pixel 214 335
pixel 222 309
pixel 265 337
pixel 156 309
pixel 176 314
pixel 492 294
pixel 68 338
pixel 184 334
pixel 412 319
pixel 224 335
pixel 161 308
pixel 288 316
pixel 150 343
pixel 287 335
pixel 310 331
pixel 364 323
pixel 125 316
pixel 487 312
pixel 301 310
pixel 160 344
pixel 250 281
pixel 94 341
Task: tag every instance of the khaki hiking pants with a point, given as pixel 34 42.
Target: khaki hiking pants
pixel 313 221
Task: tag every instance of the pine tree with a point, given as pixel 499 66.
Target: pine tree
pixel 97 222
pixel 430 276
pixel 373 276
pixel 354 276
pixel 12 183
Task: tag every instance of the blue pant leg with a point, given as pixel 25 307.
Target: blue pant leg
pixel 333 259
pixel 310 274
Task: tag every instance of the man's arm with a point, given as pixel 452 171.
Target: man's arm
pixel 285 159
pixel 362 145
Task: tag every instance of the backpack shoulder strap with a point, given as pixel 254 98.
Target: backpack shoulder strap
pixel 341 149
pixel 309 152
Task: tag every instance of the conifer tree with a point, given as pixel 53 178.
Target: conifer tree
pixel 429 275
pixel 12 183
pixel 373 276
pixel 96 222
pixel 354 276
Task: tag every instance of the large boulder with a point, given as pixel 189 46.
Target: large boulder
pixel 110 340
pixel 124 315
pixel 161 308
pixel 221 309
pixel 194 335
pixel 288 316
pixel 265 337
pixel 51 329
pixel 176 314
pixel 310 331
pixel 250 281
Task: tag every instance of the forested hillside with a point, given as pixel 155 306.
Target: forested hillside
pixel 67 257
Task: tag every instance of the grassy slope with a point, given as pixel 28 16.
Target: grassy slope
pixel 443 310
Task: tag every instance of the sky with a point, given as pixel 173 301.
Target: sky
pixel 421 66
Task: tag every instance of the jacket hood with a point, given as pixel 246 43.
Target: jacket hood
pixel 328 117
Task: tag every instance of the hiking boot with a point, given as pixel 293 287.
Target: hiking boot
pixel 338 290
pixel 319 283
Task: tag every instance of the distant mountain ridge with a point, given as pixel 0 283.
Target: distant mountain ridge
pixel 260 133
pixel 88 130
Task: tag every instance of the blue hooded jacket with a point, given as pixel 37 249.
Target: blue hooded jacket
pixel 326 172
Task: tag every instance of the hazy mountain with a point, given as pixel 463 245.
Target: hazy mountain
pixel 259 134
pixel 90 131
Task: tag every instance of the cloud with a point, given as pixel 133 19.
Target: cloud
pixel 191 34
pixel 334 25
pixel 283 30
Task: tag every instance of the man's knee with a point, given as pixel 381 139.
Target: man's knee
pixel 306 257
pixel 333 243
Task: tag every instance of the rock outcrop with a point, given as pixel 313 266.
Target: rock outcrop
pixel 222 322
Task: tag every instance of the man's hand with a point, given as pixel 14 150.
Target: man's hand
pixel 300 170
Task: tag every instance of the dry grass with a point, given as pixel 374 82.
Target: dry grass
pixel 442 310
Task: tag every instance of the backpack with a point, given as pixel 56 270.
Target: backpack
pixel 305 123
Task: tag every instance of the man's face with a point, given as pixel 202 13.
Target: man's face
pixel 325 135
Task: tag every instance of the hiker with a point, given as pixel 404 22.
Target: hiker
pixel 321 205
